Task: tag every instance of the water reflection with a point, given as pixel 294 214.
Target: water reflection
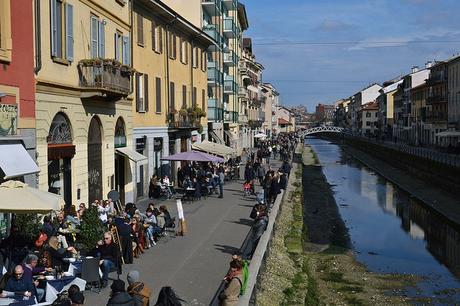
pixel 382 219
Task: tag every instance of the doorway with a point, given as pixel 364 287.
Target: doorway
pixel 94 161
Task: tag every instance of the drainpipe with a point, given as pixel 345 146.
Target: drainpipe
pixel 38 52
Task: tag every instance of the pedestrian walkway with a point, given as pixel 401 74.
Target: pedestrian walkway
pixel 194 265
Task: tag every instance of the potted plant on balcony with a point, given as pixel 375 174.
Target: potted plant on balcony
pixel 183 112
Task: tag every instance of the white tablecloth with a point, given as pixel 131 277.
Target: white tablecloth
pixel 51 292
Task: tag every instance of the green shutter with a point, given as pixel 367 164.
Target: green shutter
pixel 53 27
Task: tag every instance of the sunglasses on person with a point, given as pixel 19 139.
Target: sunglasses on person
pixel 17 274
pixel 107 238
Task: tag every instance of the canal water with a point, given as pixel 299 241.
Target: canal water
pixel 390 231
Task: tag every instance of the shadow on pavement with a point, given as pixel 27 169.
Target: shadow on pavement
pixel 227 249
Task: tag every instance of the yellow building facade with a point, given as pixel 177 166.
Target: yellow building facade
pixel 170 88
pixel 84 101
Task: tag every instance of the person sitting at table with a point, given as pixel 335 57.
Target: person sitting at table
pixel 167 184
pixel 108 254
pixel 78 299
pixel 187 183
pixel 30 269
pixel 81 210
pixel 168 221
pixel 153 229
pixel 119 296
pixel 136 234
pixel 59 250
pixel 19 284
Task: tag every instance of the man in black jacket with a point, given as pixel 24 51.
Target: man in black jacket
pixel 108 252
pixel 258 228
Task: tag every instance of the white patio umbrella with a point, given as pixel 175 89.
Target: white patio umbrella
pixel 17 197
pixel 260 135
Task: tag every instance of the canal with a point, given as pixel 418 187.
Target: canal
pixel 391 232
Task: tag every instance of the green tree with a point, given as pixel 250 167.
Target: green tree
pixel 28 224
pixel 91 229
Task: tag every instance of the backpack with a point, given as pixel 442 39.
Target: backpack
pixel 141 291
pixel 62 299
pixel 245 277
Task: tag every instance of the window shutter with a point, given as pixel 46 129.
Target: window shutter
pixel 172 93
pixel 203 100
pixel 126 51
pixel 138 94
pixel 146 92
pixel 194 97
pixel 94 35
pixel 154 41
pixel 160 39
pixel 174 46
pixel 158 94
pixel 101 39
pixel 53 27
pixel 184 96
pixel 117 47
pixel 69 32
pixel 140 29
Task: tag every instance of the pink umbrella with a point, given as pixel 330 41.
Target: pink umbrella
pixel 194 156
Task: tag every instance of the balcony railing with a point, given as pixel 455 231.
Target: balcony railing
pixel 435 99
pixel 230 4
pixel 230 58
pixel 107 76
pixel 229 27
pixel 212 7
pixel 179 122
pixel 243 92
pixel 255 123
pixel 213 31
pixel 214 74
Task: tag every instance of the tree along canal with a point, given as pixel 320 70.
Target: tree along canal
pixel 390 232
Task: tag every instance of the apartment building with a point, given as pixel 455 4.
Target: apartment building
pixel 270 95
pixel 385 101
pixel 169 55
pixel 368 119
pixel 83 99
pixel 17 93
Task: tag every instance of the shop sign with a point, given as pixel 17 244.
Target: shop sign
pixel 157 144
pixel 8 119
pixel 140 143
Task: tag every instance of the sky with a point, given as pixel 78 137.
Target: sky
pixel 350 43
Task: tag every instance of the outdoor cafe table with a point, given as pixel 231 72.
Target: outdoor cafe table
pixel 56 286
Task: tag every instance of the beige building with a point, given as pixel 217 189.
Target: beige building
pixel 83 100
pixel 169 55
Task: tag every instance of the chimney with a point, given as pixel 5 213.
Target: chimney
pixel 428 64
pixel 414 69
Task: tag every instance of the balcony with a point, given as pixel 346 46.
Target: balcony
pixel 436 117
pixel 230 4
pixel 230 59
pixel 230 86
pixel 435 99
pixel 213 31
pixel 243 92
pixel 436 77
pixel 214 74
pixel 255 123
pixel 175 121
pixel 254 102
pixel 211 7
pixel 106 78
pixel 229 27
pixel 243 118
pixel 215 114
pixel 242 68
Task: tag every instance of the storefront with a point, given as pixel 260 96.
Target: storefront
pixel 157 155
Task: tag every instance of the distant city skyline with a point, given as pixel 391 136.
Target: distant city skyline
pixel 320 52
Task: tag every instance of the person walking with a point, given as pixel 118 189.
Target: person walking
pixel 221 182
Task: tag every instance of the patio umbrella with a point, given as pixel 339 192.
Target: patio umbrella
pixel 194 156
pixel 260 135
pixel 18 197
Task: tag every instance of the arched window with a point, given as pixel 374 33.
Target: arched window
pixel 60 131
pixel 120 133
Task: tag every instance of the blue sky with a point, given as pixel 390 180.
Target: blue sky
pixel 311 74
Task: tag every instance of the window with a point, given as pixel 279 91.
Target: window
pixel 184 51
pixel 368 114
pixel 61 25
pixel 5 31
pixel 142 92
pixel 184 96
pixel 97 37
pixel 154 35
pixel 122 49
pixel 158 94
pixel 203 100
pixel 140 30
pixel 194 97
pixel 172 46
pixel 195 57
pixel 172 96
